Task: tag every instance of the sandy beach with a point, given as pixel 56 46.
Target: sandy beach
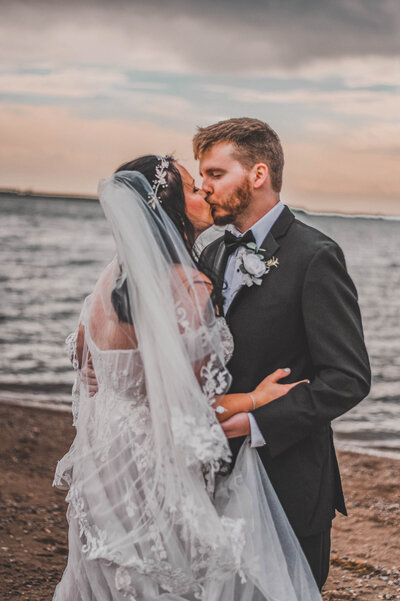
pixel 33 531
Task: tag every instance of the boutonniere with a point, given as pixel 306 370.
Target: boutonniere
pixel 253 265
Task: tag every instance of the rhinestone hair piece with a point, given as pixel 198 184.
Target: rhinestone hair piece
pixel 159 180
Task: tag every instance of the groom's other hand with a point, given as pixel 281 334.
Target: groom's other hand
pixel 237 425
pixel 89 378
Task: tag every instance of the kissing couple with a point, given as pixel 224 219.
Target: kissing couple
pixel 203 466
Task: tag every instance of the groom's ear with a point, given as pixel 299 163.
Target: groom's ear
pixel 259 175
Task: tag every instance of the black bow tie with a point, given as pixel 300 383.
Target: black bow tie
pixel 233 242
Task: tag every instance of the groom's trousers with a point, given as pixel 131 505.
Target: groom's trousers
pixel 317 550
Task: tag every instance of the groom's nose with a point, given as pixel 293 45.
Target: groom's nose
pixel 206 187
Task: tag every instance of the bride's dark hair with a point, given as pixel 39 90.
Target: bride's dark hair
pixel 172 199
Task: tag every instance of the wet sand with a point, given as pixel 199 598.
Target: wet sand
pixel 365 560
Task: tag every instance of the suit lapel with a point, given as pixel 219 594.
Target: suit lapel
pixel 282 224
pixel 270 246
pixel 220 261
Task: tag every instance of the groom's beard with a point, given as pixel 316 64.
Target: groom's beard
pixel 228 209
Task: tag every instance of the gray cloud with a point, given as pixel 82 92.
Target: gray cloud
pixel 206 36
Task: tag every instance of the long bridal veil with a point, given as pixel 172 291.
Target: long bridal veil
pixel 151 513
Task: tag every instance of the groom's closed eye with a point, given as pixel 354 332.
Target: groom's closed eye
pixel 214 173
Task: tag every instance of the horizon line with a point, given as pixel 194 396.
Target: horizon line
pixel 28 192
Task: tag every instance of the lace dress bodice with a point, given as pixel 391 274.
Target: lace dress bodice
pixel 120 372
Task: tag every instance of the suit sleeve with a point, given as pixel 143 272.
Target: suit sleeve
pixel 342 375
pixel 204 261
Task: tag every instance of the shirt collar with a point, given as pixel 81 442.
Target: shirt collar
pixel 261 227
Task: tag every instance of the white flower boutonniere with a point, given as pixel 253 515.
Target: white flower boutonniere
pixel 253 265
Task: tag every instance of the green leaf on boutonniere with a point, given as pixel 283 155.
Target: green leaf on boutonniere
pixel 242 269
pixel 252 245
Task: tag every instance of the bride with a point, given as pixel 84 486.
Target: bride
pixel 153 511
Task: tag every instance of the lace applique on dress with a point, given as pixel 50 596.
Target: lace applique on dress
pixel 210 558
pixel 226 338
pixel 199 442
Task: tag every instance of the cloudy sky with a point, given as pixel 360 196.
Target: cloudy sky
pixel 86 85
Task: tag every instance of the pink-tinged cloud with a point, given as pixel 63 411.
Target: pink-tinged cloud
pixel 339 178
pixel 51 149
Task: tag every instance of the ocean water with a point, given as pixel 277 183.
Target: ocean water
pixel 52 252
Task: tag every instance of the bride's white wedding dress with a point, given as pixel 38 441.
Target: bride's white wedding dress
pixel 151 515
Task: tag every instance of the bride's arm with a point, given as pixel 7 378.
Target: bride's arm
pixel 268 390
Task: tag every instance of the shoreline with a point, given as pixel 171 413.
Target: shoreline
pixel 365 558
pixel 63 405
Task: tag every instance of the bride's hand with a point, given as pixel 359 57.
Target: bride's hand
pixel 269 389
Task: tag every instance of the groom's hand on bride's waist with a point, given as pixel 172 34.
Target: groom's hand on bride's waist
pixel 88 378
pixel 237 425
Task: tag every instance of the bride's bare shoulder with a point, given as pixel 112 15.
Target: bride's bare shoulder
pixel 107 331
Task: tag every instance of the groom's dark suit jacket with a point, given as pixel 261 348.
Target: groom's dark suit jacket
pixel 305 316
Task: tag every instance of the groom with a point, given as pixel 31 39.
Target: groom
pixel 294 306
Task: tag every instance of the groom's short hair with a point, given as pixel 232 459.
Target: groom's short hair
pixel 255 142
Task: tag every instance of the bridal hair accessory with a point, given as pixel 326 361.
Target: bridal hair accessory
pixel 160 179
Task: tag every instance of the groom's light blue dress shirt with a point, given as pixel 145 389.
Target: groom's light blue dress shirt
pixel 234 281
